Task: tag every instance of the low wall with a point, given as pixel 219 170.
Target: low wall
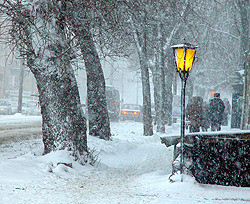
pixel 217 158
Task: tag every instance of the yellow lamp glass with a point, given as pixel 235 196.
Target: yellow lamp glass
pixel 184 56
pixel 190 53
pixel 179 57
pixel 184 59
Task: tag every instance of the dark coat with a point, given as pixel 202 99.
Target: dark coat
pixel 216 110
pixel 194 111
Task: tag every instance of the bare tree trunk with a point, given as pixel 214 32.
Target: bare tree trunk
pixel 99 124
pixel 156 75
pixel 157 97
pixel 63 124
pixel 20 89
pixel 163 82
pixel 147 117
pixel 79 23
pixel 140 39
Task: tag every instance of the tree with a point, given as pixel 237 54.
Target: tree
pixel 79 21
pixel 167 22
pixel 139 27
pixel 39 31
pixel 158 70
pixel 153 26
pixel 213 30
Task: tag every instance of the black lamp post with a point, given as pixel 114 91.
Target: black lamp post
pixel 184 57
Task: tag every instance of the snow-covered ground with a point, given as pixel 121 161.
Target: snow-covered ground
pixel 131 169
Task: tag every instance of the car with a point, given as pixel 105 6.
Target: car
pixel 5 107
pixel 131 112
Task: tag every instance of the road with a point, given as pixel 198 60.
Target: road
pixel 19 127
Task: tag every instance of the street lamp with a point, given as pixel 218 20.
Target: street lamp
pixel 184 57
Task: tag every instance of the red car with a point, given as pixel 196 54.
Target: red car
pixel 131 112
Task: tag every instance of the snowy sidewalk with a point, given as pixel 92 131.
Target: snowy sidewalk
pixel 132 169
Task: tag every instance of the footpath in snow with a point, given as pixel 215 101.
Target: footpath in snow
pixel 131 168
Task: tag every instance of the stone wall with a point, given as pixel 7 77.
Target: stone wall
pixel 223 161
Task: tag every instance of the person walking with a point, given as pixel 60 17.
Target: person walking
pixel 216 110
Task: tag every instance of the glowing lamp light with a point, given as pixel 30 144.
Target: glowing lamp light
pixel 212 93
pixel 184 56
pixel 136 113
